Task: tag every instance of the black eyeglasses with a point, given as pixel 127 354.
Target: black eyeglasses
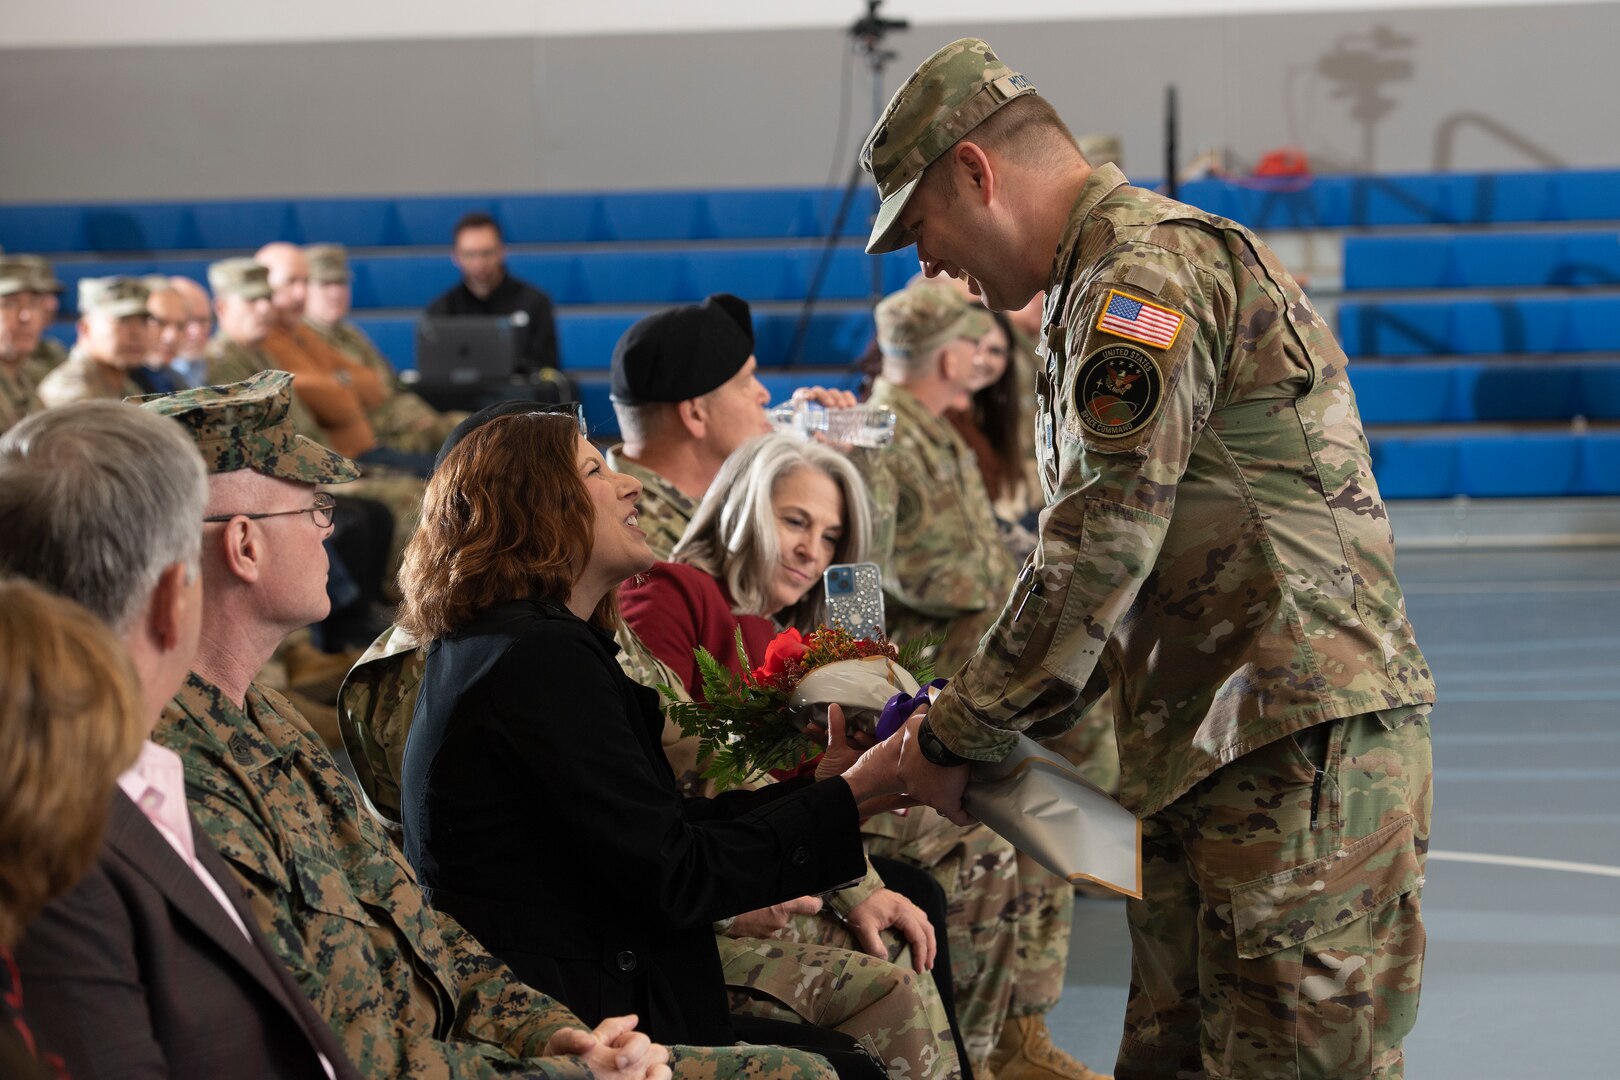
pixel 321 512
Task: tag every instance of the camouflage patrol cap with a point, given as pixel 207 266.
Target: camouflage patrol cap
pixel 43 273
pixel 248 425
pixel 112 296
pixel 327 263
pixel 239 277
pixel 920 318
pixel 949 95
pixel 15 276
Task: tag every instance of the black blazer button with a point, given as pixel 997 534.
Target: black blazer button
pixel 800 856
pixel 626 961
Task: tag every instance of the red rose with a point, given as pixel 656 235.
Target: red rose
pixel 783 649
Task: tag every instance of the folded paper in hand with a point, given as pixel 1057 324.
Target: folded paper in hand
pixel 1037 801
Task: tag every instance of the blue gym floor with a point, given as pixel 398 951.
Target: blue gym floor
pixel 1523 899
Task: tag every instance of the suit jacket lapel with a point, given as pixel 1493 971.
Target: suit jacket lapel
pixel 136 840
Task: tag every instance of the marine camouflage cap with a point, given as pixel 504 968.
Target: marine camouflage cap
pixel 949 95
pixel 920 318
pixel 248 425
pixel 327 263
pixel 239 277
pixel 112 296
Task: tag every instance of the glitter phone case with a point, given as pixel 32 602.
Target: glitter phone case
pixel 855 598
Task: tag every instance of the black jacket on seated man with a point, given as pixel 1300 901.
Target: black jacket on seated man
pixel 541 813
pixel 534 324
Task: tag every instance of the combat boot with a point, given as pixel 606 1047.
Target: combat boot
pixel 1025 1052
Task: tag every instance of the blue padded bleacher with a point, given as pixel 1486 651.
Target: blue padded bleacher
pixel 1465 392
pixel 785 213
pixel 1488 260
pixel 1475 327
pixel 1531 465
pixel 585 338
pixel 427 221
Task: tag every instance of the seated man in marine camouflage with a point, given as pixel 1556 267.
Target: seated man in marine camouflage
pixel 408 991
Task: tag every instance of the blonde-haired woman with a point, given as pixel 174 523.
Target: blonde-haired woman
pixel 70 723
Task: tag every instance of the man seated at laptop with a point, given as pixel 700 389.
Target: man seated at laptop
pixel 487 289
pixel 338 389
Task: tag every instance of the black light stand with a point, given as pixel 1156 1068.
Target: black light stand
pixel 867 34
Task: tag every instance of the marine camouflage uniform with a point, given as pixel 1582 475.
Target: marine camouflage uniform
pixel 410 993
pixel 664 510
pixel 1214 542
pixel 897 1015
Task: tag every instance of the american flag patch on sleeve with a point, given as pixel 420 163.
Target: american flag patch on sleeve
pixel 1128 317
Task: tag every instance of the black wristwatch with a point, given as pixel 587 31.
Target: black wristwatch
pixel 934 749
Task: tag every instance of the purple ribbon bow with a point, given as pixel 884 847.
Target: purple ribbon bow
pixel 900 708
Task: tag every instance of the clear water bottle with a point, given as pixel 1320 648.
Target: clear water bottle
pixel 864 425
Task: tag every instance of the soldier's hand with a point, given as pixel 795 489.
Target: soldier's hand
pixel 766 921
pixel 822 395
pixel 887 909
pixel 614 1051
pixel 939 786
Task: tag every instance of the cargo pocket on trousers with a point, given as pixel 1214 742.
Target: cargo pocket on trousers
pixel 1330 956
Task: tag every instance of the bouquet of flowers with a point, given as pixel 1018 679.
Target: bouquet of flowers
pixel 756 722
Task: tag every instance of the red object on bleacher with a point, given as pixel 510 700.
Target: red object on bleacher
pixel 1288 161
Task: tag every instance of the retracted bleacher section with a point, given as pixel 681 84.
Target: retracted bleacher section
pixel 1481 311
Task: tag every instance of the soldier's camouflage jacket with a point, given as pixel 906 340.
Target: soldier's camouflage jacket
pixel 407 990
pixel 665 511
pixel 945 569
pixel 1214 542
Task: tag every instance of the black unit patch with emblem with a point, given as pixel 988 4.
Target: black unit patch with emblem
pixel 1118 391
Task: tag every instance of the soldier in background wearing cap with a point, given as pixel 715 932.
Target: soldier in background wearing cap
pixel 1215 547
pixel 112 343
pixel 945 573
pixel 686 392
pixel 21 323
pixel 402 420
pixel 409 993
pixel 48 290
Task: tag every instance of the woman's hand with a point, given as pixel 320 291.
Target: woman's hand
pixel 885 910
pixel 614 1051
pixel 766 921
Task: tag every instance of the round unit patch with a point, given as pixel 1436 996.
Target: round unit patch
pixel 1117 391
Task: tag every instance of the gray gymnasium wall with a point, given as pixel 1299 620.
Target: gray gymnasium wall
pixel 1496 88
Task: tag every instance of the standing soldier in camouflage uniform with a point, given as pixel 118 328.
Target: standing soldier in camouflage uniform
pixel 21 325
pixel 1214 545
pixel 407 990
pixel 112 342
pixel 403 419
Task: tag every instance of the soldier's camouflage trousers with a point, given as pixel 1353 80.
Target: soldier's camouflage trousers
pixel 746 1062
pixel 889 1009
pixel 1007 921
pixel 1280 932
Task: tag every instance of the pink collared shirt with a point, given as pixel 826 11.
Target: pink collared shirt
pixel 157 784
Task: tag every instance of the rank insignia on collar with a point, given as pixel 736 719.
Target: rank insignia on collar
pixel 1117 391
pixel 1139 320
